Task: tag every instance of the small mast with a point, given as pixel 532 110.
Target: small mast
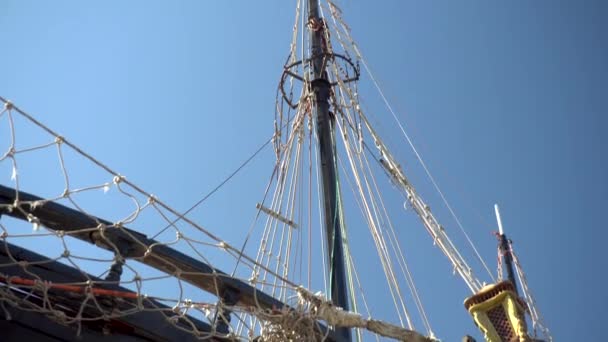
pixel 500 230
pixel 505 249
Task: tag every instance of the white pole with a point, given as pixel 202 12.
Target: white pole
pixel 500 231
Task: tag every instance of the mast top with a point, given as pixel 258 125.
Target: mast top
pixel 500 230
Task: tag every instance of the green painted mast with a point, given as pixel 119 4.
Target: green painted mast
pixel 324 120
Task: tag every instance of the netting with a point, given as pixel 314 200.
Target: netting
pixel 129 271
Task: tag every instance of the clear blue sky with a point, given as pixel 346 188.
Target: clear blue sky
pixel 507 102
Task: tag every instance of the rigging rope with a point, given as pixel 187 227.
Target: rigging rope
pixel 537 321
pixel 355 47
pixel 218 187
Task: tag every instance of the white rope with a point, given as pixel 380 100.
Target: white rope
pixel 401 257
pixel 393 286
pixel 383 249
pixel 338 22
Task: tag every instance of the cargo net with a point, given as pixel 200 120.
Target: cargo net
pixel 76 284
pixel 59 257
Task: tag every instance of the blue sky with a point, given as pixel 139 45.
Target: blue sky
pixel 506 101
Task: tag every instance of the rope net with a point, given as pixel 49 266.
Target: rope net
pixel 129 271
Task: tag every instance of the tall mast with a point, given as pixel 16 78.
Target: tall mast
pixel 321 88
